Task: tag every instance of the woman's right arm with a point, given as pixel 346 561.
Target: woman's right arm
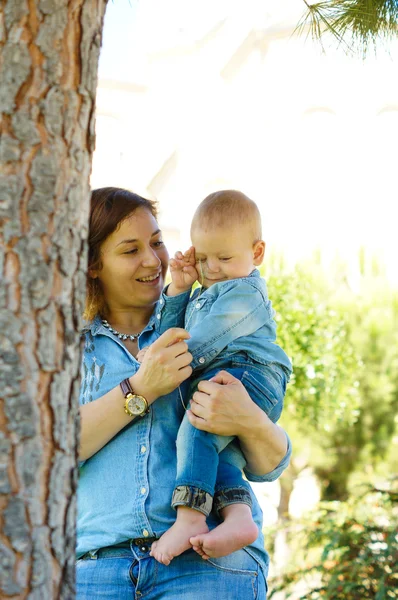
pixel 164 367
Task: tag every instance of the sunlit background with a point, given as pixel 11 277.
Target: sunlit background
pixel 199 96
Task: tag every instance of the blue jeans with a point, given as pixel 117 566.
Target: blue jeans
pixel 200 473
pixel 130 573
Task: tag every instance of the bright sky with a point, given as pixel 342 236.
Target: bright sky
pixel 311 138
pixel 132 27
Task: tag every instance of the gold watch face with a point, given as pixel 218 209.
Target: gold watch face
pixel 136 405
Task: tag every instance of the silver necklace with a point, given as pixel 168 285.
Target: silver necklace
pixel 121 336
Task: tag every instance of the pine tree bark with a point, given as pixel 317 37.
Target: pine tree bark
pixel 48 72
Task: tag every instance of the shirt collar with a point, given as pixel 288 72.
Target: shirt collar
pixel 254 274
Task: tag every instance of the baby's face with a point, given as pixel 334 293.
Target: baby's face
pixel 223 254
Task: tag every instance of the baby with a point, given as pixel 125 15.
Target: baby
pixel 230 320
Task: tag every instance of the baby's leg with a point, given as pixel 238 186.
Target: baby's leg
pixel 266 386
pixel 233 503
pixel 197 461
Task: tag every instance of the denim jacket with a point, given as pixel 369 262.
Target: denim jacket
pixel 230 317
pixel 125 489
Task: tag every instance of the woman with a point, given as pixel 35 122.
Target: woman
pixel 130 414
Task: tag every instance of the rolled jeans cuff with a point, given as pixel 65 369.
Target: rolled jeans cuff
pixel 229 496
pixel 194 497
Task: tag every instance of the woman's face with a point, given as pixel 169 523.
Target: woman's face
pixel 134 263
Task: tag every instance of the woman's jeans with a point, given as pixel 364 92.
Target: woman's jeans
pixel 130 573
pixel 200 474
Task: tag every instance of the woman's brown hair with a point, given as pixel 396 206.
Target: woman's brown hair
pixel 110 206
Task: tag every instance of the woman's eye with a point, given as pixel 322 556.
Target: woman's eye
pixel 158 244
pixel 226 258
pixel 132 251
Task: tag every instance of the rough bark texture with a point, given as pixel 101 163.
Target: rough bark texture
pixel 48 72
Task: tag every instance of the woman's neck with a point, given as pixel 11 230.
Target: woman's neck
pixel 129 320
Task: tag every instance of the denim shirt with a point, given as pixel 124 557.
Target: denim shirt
pixel 230 317
pixel 125 489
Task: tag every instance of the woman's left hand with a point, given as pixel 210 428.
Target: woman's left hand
pixel 222 406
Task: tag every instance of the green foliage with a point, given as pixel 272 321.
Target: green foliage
pixel 373 329
pixel 347 551
pixel 324 389
pixel 373 323
pixel 356 24
pixel 343 396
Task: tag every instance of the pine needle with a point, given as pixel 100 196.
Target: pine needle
pixel 356 24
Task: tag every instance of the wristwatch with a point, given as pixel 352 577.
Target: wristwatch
pixel 134 405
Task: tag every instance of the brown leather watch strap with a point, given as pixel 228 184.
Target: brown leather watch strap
pixel 126 387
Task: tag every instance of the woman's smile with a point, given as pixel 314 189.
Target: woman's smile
pixel 150 279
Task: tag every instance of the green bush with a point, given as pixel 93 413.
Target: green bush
pixel 323 391
pixel 351 550
pixel 342 398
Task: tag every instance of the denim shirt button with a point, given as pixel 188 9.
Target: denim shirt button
pixel 158 316
pixel 201 360
pixel 197 305
pixel 145 533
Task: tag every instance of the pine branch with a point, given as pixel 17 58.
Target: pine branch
pixel 356 24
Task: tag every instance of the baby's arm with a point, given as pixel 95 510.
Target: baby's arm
pixel 183 272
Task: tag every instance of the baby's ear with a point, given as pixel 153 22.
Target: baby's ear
pixel 258 252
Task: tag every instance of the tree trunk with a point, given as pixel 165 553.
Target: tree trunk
pixel 49 59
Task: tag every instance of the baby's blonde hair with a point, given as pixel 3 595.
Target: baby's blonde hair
pixel 228 208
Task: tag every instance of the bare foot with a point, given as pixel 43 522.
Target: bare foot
pixel 189 523
pixel 237 530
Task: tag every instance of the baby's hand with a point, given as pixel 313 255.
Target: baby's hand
pixel 183 272
pixel 141 354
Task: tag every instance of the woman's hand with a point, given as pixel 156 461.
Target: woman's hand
pixel 164 366
pixel 223 406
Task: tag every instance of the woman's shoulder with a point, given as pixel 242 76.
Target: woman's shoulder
pixel 90 327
